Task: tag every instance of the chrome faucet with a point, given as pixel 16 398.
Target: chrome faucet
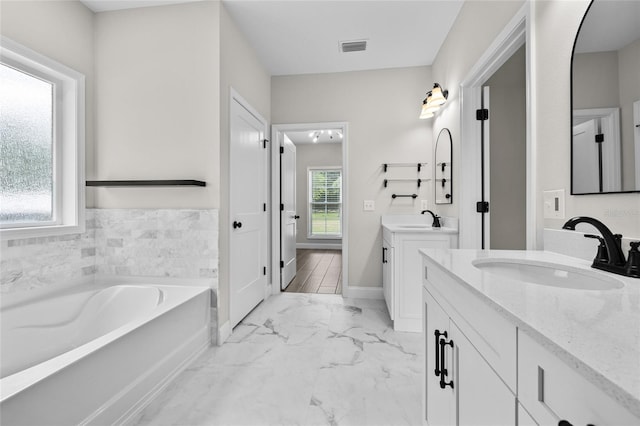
pixel 610 256
pixel 436 218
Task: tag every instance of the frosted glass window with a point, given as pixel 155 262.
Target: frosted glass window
pixel 26 148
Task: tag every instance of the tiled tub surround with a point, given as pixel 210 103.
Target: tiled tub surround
pixel 157 242
pixel 150 242
pixel 32 263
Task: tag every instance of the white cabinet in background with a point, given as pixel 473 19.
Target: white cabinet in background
pixel 460 387
pixel 401 279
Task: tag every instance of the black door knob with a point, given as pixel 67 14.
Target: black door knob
pixel 296 217
pixel 237 224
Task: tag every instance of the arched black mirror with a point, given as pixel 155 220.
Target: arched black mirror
pixel 605 82
pixel 443 169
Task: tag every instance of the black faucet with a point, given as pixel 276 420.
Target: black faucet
pixel 610 257
pixel 436 218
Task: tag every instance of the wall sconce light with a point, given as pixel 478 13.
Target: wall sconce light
pixel 436 97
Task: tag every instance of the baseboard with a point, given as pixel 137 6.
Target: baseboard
pixel 223 333
pixel 318 246
pixel 363 292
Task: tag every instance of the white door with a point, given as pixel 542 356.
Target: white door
pixel 585 158
pixel 248 216
pixel 288 213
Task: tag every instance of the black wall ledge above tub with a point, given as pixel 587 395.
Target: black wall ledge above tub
pixel 119 183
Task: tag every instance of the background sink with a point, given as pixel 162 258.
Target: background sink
pixel 548 274
pixel 414 226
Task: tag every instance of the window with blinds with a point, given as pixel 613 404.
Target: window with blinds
pixel 325 203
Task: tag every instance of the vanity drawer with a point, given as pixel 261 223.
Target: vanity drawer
pixel 489 332
pixel 551 390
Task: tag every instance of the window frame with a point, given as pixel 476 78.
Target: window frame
pixel 310 234
pixel 68 142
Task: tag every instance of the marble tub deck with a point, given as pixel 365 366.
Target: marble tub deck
pixel 302 359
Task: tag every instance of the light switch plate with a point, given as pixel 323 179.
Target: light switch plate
pixel 554 204
pixel 369 205
pixel 424 204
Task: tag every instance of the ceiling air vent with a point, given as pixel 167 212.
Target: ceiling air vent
pixel 353 46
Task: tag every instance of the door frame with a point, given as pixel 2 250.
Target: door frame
pixel 276 132
pixel 516 33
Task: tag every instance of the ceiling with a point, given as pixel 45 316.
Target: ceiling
pixel 303 36
pixel 324 135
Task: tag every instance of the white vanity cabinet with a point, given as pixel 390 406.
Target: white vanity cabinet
pixel 500 370
pixel 401 281
pixel 460 387
pixel 550 391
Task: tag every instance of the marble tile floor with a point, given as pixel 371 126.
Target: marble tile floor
pixel 302 359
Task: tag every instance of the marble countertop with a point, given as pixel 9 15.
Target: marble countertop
pixel 404 229
pixel 404 223
pixel 596 332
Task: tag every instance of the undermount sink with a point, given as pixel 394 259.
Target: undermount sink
pixel 417 226
pixel 548 274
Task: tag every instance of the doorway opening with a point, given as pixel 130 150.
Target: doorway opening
pixel 513 45
pixel 309 220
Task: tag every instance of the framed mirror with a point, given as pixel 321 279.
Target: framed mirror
pixel 605 100
pixel 443 168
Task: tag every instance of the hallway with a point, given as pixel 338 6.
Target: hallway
pixel 318 271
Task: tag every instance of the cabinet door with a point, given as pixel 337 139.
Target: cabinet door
pixel 483 398
pixel 439 404
pixel 552 390
pixel 387 277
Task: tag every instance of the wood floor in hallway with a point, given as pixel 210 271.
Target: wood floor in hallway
pixel 318 271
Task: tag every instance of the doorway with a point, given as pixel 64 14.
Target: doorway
pixel 505 156
pixel 474 174
pixel 310 209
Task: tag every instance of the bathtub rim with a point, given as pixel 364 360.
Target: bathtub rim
pixel 13 384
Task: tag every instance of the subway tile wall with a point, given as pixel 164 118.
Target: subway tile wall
pixel 151 242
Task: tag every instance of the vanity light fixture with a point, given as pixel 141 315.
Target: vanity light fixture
pixel 436 97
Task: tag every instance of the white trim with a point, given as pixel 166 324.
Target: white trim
pixel 224 331
pixel 69 124
pixel 511 38
pixel 363 292
pixel 636 138
pixel 319 246
pixel 276 131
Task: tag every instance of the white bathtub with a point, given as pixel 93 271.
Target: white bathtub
pixel 97 354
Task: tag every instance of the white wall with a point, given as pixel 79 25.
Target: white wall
pixel 241 70
pixel 382 109
pixel 37 25
pixel 158 104
pixel 312 155
pixel 556 25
